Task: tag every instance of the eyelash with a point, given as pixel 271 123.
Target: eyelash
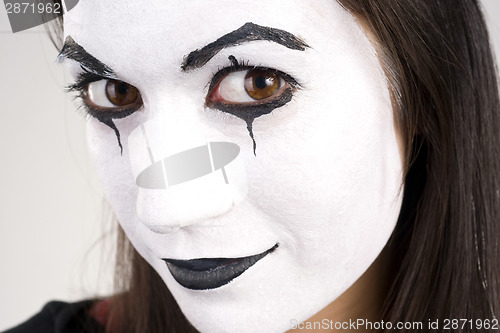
pixel 81 87
pixel 246 111
pixel 244 65
pixel 85 78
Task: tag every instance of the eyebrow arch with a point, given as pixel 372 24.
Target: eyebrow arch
pixel 72 50
pixel 246 33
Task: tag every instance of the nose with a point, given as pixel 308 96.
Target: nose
pixel 182 182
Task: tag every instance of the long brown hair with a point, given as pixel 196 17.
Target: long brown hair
pixel 446 99
pixel 444 249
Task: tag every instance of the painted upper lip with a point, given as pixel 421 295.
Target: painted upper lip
pixel 211 273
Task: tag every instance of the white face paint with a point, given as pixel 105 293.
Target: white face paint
pixel 326 178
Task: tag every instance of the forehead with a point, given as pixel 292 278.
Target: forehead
pixel 160 30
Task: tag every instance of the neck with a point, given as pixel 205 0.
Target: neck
pixel 362 301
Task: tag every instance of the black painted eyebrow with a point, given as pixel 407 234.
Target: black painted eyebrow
pixel 246 33
pixel 72 50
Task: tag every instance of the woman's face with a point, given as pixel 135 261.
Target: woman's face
pixel 279 225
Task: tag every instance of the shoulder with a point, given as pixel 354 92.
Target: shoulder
pixel 61 317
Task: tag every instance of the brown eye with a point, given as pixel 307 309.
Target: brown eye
pixel 112 95
pixel 120 93
pixel 249 86
pixel 261 84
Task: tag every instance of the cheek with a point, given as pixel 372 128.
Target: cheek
pixel 331 176
pixel 113 169
pixel 339 200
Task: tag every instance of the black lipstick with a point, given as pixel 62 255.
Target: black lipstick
pixel 211 273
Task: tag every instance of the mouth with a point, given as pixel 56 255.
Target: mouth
pixel 211 273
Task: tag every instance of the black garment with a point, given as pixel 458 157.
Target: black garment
pixel 61 317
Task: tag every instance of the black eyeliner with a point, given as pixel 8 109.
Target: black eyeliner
pixel 93 70
pixel 105 117
pixel 240 66
pixel 83 80
pixel 250 112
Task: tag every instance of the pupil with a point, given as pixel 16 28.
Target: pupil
pixel 122 89
pixel 261 82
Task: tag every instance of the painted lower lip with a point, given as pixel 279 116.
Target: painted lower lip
pixel 211 273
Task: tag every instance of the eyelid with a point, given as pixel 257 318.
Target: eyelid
pixel 256 108
pixel 115 112
pixel 238 67
pixel 84 78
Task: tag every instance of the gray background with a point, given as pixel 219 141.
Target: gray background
pixel 51 236
pixel 50 220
